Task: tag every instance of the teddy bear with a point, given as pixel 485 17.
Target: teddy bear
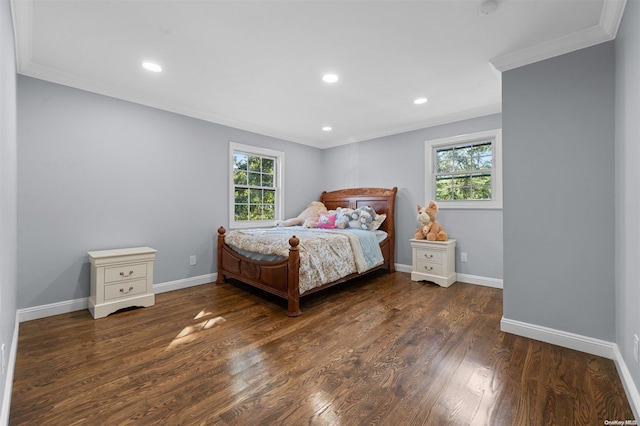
pixel 421 232
pixel 362 217
pixel 343 215
pixel 427 216
pixel 308 218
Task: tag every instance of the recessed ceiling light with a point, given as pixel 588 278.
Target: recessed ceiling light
pixel 330 78
pixel 326 129
pixel 420 101
pixel 150 66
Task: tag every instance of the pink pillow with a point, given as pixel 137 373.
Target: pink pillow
pixel 327 221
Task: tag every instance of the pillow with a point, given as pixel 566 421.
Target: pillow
pixel 375 224
pixel 327 221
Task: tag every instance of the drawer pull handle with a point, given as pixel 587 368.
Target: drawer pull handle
pixel 125 292
pixel 428 256
pixel 128 275
pixel 428 268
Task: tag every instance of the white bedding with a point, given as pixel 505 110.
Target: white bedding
pixel 325 255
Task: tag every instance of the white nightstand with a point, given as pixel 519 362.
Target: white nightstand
pixel 434 261
pixel 121 278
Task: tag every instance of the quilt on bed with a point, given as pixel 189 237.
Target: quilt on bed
pixel 325 255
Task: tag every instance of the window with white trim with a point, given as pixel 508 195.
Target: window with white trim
pixel 465 171
pixel 256 177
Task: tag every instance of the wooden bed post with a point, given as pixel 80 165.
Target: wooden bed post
pixel 293 291
pixel 221 232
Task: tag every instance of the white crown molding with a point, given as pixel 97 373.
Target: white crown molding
pixel 611 16
pixel 606 30
pixel 78 82
pixel 431 122
pixel 22 17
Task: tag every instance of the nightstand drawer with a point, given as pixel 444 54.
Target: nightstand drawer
pixel 116 291
pixel 434 261
pixel 125 272
pixel 428 256
pixel 428 268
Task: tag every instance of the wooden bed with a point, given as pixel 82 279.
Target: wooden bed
pixel 281 277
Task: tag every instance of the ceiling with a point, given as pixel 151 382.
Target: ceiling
pixel 258 65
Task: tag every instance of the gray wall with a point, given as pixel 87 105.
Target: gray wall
pixel 627 176
pixel 8 195
pixel 558 156
pixel 98 173
pixel 399 160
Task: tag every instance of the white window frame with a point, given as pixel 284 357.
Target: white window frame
pixel 279 185
pixel 431 146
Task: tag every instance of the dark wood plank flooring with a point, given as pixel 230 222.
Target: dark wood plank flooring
pixel 381 350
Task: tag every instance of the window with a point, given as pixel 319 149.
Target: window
pixel 256 186
pixel 465 171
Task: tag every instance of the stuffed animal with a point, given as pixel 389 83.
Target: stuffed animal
pixel 343 217
pixel 362 217
pixel 427 215
pixel 354 219
pixel 421 232
pixel 308 218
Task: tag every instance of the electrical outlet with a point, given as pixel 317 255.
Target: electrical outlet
pixel 192 259
pixel 463 257
pixel 635 347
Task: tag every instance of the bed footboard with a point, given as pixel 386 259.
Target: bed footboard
pixel 280 278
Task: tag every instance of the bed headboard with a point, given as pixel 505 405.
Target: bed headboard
pixel 382 200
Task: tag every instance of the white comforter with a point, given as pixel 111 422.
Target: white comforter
pixel 325 255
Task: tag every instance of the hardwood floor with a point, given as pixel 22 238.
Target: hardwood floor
pixel 382 350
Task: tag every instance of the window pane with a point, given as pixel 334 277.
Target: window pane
pixel 239 177
pixel 444 193
pixel 269 212
pixel 481 187
pixel 241 196
pixel 269 197
pixel 268 165
pixel 255 163
pixel 255 196
pixel 254 179
pixel 444 189
pixel 241 212
pixel 267 180
pixel 255 212
pixel 462 159
pixel 444 159
pixel 240 162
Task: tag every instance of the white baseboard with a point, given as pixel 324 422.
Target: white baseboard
pixel 580 343
pixel 629 385
pixel 465 278
pixel 8 382
pixel 403 268
pixel 43 311
pixel 67 306
pixel 478 280
pixel 560 338
pixel 185 282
